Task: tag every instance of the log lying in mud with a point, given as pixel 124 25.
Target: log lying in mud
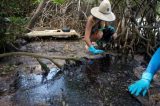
pixel 53 33
pixel 51 58
pixel 35 55
pixel 74 57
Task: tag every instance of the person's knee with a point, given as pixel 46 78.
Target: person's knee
pixel 97 36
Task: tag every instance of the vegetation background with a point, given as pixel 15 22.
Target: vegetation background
pixel 137 23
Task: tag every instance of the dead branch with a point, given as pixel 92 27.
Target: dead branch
pixel 43 66
pixel 126 38
pixel 35 16
pixel 38 56
pixel 51 58
pixel 138 33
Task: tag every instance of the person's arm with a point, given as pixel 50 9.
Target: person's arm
pixel 154 63
pixel 88 29
pixel 143 84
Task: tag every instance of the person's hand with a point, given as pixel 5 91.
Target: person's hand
pixel 142 85
pixel 95 51
pixel 139 86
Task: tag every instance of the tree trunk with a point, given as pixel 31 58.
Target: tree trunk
pixel 35 16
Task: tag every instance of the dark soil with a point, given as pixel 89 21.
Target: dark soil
pixel 99 82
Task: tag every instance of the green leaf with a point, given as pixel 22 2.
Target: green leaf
pixel 58 1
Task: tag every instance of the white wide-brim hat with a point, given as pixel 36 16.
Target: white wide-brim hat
pixel 103 12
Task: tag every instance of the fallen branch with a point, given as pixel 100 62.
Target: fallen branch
pixel 36 15
pixel 38 56
pixel 51 58
pixel 138 33
pixel 74 58
pixel 35 55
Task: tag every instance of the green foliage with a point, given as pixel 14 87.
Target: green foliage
pixel 13 29
pixel 14 7
pixel 158 8
pixel 16 11
pixel 92 2
pixel 18 20
pixel 17 25
pixel 36 1
pixel 58 1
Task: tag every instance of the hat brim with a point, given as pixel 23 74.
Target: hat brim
pixel 105 17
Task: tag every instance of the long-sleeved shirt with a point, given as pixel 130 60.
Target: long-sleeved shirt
pixel 154 64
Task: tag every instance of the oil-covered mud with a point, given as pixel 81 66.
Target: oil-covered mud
pixel 98 82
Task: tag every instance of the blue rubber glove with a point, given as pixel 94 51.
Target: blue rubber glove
pixel 95 51
pixel 142 85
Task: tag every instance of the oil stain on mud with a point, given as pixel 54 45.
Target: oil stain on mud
pixel 98 82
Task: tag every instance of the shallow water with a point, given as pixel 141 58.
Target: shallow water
pixel 99 82
pixel 89 84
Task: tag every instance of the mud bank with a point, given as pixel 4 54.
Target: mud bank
pixel 100 82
